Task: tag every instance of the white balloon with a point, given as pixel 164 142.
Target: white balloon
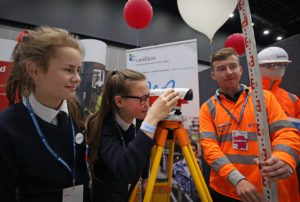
pixel 206 16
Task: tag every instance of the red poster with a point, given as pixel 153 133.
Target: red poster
pixel 5 68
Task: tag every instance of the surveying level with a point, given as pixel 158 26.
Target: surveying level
pixel 172 126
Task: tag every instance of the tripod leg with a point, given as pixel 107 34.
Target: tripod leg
pixel 153 153
pixel 199 172
pixel 194 173
pixel 161 138
pixel 133 193
pixel 184 141
pixel 170 163
pixel 153 174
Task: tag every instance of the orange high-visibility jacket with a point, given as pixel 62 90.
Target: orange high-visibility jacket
pixel 289 102
pixel 231 165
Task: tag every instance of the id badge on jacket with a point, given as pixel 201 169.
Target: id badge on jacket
pixel 73 194
pixel 240 140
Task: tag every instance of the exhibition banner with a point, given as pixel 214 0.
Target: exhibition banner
pixel 92 75
pixel 172 65
pixel 6 49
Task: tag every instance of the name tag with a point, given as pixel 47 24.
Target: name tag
pixel 73 194
pixel 240 140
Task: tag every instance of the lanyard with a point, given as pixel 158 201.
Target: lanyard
pixel 44 140
pixel 121 135
pixel 86 158
pixel 242 111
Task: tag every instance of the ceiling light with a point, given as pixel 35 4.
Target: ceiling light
pixel 231 15
pixel 266 32
pixel 253 24
pixel 279 38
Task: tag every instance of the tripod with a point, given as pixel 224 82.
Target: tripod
pixel 178 133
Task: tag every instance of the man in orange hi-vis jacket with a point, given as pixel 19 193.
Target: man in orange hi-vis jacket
pixel 229 139
pixel 272 62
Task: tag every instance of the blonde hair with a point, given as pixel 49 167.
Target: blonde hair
pixel 39 46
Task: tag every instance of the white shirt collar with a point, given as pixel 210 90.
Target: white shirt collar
pixel 46 113
pixel 124 125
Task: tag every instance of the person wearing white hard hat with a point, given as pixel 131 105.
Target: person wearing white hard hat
pixel 273 62
pixel 228 136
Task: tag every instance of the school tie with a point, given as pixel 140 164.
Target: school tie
pixel 131 129
pixel 62 118
pixel 129 134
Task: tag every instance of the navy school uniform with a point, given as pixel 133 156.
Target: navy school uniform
pixel 27 165
pixel 119 162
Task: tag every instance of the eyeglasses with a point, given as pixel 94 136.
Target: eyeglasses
pixel 274 66
pixel 143 99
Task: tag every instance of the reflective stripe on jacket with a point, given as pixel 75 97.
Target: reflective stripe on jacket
pixel 216 127
pixel 289 102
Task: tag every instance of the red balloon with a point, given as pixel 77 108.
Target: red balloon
pixel 236 41
pixel 138 13
pixel 21 34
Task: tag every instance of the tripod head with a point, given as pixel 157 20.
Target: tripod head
pixel 185 95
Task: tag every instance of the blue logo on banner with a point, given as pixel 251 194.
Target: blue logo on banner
pixel 131 57
pixel 169 84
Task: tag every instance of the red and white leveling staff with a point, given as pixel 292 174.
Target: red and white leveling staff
pixel 269 188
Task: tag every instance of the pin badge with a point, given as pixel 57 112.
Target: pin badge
pixel 79 138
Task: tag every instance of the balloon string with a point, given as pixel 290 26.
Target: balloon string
pixel 137 38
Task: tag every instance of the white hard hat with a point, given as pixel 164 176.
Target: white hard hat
pixel 273 54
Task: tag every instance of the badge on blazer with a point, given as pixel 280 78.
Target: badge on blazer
pixel 79 138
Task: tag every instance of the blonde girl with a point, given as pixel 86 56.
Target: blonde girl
pixel 41 135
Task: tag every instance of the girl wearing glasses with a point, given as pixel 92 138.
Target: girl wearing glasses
pixel 119 153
